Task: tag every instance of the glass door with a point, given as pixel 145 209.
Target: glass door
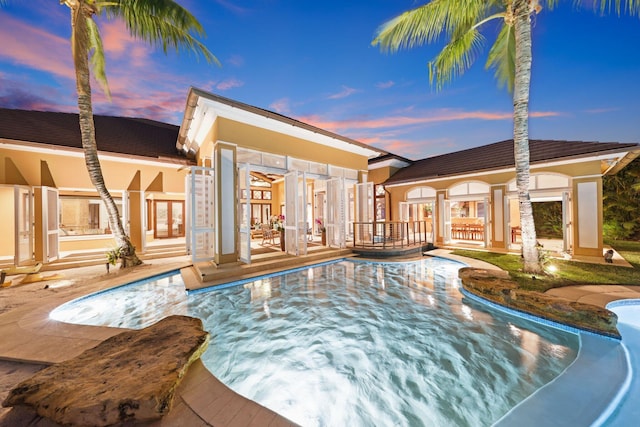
pixel 24 225
pixel 169 219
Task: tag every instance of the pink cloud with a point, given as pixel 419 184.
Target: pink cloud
pixel 119 45
pixel 280 106
pixel 346 91
pixel 32 47
pixel 236 60
pixel 440 116
pixel 229 84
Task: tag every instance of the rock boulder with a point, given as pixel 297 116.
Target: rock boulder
pixel 131 377
pixel 497 287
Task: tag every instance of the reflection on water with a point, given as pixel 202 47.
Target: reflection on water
pixel 355 343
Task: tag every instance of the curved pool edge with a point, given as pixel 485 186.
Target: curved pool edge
pixel 625 411
pixel 520 420
pixel 578 396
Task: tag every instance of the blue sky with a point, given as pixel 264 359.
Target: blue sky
pixel 313 61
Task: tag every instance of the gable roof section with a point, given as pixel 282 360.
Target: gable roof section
pixel 211 106
pixel 500 155
pixel 119 135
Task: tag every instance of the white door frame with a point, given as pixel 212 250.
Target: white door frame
pixel 200 227
pixel 244 213
pixel 23 214
pixel 50 223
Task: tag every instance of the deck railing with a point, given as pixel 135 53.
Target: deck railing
pixel 391 234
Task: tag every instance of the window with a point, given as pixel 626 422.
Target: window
pixel 83 216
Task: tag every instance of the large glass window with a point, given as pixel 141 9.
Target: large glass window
pixel 82 216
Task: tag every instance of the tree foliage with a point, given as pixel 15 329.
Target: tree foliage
pixel 621 203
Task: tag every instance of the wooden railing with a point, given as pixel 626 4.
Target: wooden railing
pixel 391 234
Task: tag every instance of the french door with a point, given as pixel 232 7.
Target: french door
pixel 168 219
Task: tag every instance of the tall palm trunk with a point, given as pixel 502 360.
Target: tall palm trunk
pixel 522 81
pixel 79 13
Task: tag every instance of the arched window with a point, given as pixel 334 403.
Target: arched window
pixel 470 188
pixel 421 193
pixel 544 181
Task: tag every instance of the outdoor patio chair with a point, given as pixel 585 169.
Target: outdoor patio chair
pixel 268 234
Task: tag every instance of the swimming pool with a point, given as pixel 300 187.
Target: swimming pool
pixel 355 343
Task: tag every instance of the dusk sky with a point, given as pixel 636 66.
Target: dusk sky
pixel 313 61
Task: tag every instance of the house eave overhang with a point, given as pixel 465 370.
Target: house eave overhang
pixel 203 108
pixel 394 163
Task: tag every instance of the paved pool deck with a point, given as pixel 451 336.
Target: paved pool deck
pixel 31 340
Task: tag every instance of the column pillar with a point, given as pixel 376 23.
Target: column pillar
pixel 226 203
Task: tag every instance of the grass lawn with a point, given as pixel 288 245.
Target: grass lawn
pixel 568 272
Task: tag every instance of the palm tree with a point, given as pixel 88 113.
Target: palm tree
pixel 155 21
pixel 510 56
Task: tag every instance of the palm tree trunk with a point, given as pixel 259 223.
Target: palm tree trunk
pixel 522 82
pixel 126 250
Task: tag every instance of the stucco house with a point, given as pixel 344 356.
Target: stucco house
pixel 210 181
pixel 51 207
pixel 230 167
pixel 469 198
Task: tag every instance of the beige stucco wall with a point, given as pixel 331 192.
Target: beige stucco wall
pixel 259 139
pixel 70 171
pixel 380 175
pixel 67 169
pixel 580 172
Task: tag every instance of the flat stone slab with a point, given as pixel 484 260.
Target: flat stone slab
pixel 131 377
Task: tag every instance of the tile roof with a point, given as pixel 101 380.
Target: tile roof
pixel 121 135
pixel 500 155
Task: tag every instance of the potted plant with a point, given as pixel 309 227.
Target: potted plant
pixel 278 224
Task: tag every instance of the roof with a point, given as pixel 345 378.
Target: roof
pixel 389 158
pixel 500 155
pixel 189 141
pixel 120 135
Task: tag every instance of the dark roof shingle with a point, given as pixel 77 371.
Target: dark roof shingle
pixel 122 135
pixel 500 155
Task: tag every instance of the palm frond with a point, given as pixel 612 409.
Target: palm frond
pixel 629 7
pixel 96 54
pixel 455 58
pixel 160 23
pixel 427 23
pixel 502 57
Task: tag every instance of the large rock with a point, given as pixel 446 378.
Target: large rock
pixel 496 286
pixel 130 377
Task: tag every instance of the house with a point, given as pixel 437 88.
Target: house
pixel 250 161
pixel 224 171
pixel 469 198
pixel 49 203
pixel 230 168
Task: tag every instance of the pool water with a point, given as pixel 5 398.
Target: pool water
pixel 355 343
